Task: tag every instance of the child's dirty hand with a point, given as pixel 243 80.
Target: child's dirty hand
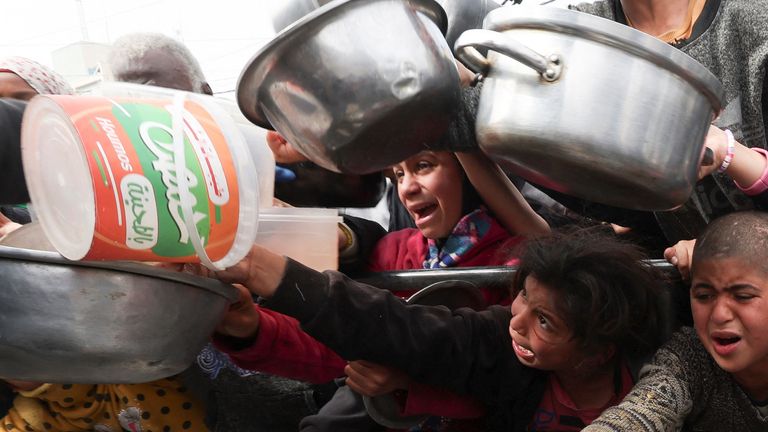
pixel 260 271
pixel 680 255
pixel 242 318
pixel 371 379
pixel 283 150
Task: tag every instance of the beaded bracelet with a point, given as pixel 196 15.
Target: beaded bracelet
pixel 729 153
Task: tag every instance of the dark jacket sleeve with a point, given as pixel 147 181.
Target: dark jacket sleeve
pixel 13 188
pixel 367 234
pixel 464 351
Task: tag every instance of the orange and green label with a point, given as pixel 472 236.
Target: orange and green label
pixel 129 147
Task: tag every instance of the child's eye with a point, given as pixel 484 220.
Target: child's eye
pixel 543 321
pixel 702 294
pixel 423 165
pixel 742 297
pixel 702 297
pixel 398 173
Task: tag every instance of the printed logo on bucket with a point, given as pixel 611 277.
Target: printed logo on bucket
pixel 130 150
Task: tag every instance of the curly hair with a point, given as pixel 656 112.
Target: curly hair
pixel 604 289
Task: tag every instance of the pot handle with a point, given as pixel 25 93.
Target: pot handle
pixel 466 45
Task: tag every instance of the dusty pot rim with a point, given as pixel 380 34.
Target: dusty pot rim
pixel 613 34
pixel 43 257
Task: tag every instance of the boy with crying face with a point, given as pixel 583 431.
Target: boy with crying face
pixel 713 377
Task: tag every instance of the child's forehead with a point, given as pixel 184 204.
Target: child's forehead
pixel 431 154
pixel 729 267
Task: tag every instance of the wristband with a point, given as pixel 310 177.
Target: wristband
pixel 729 152
pixel 761 184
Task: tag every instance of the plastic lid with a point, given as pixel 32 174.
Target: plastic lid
pixel 58 178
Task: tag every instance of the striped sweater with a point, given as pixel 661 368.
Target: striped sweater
pixel 682 388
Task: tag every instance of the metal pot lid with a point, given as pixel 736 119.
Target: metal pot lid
pixel 225 290
pixel 610 33
pixel 260 64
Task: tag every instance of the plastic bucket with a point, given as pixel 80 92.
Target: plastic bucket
pixel 103 176
pixel 255 137
pixel 307 235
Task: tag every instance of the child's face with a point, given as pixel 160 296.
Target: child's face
pixel 429 186
pixel 540 338
pixel 729 300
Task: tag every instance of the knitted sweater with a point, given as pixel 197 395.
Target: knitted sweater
pixel 682 387
pixel 730 39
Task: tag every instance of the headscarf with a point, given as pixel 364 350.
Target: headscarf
pixel 41 78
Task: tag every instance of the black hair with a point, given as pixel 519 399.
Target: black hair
pixel 607 294
pixel 742 235
pixel 470 198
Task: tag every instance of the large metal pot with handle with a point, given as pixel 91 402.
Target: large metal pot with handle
pixel 356 85
pixel 590 107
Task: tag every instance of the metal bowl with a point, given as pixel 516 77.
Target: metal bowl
pixel 356 85
pixel 285 13
pixel 462 14
pixel 99 322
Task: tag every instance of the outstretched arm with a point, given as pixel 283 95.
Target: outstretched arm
pixel 501 196
pixel 464 351
pixel 661 399
pixel 260 339
pixel 744 165
pixel 748 167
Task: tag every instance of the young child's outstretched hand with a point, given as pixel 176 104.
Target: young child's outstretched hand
pixel 242 318
pixel 681 255
pixel 371 379
pixel 260 271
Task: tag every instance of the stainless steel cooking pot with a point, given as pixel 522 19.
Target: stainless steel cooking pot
pixel 356 85
pixel 98 322
pixel 590 107
pixel 462 14
pixel 287 12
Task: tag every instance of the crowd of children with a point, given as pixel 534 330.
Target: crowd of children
pixel 579 342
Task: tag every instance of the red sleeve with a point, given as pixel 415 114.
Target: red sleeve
pixel 282 348
pixel 399 250
pixel 426 399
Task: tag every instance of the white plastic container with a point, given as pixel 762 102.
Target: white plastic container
pixel 308 235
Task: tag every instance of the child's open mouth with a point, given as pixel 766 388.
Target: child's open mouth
pixel 725 344
pixel 522 351
pixel 423 212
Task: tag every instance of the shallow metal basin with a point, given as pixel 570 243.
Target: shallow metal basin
pixel 99 322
